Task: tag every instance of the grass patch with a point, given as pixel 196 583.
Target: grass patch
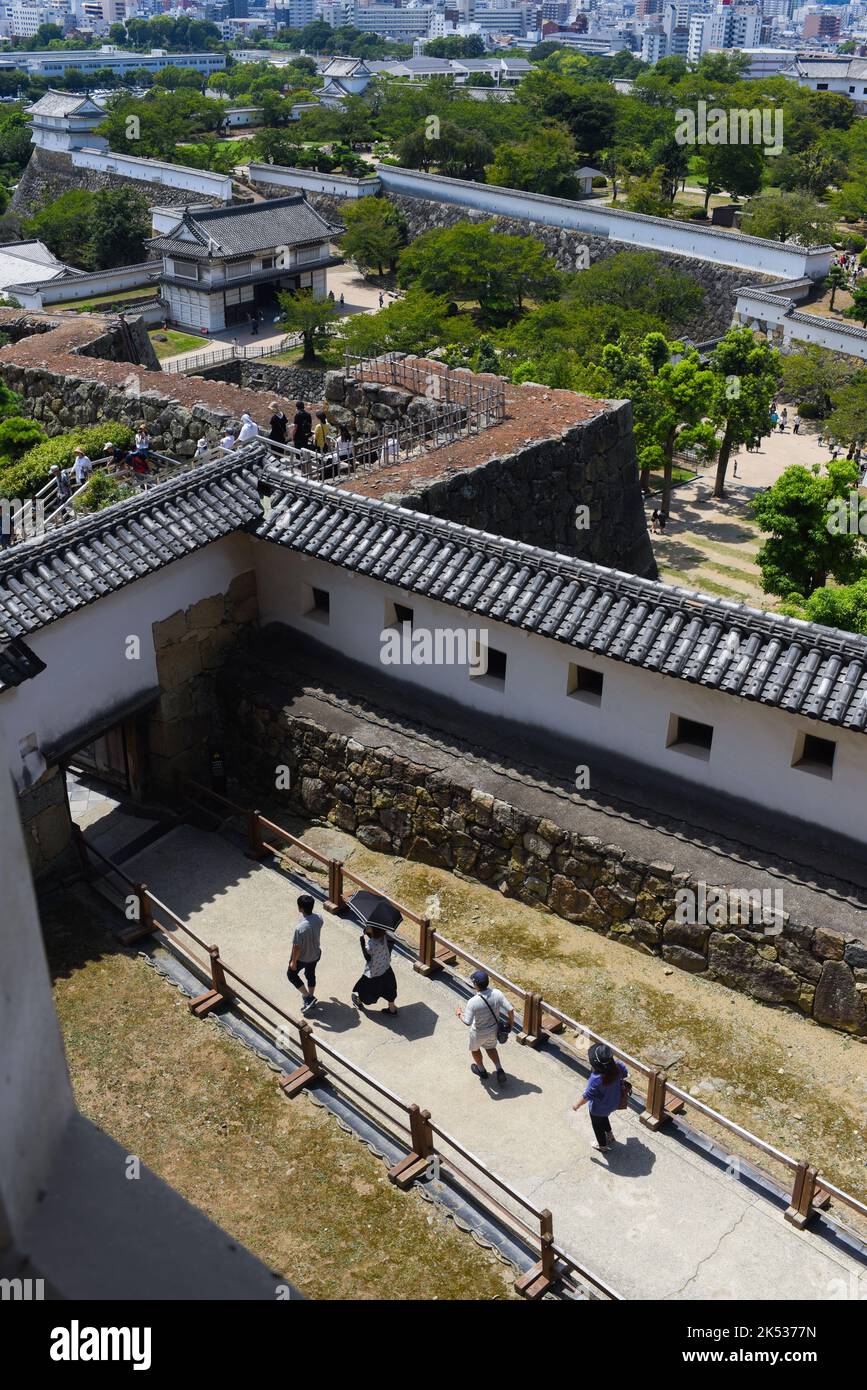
pixel 116 301
pixel 167 342
pixel 200 1110
pixel 696 581
pixel 293 356
pixel 678 475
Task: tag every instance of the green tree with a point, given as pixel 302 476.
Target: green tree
pixel 639 279
pixel 834 281
pixel 803 550
pixel 121 226
pixel 735 169
pixel 312 318
pixel 843 606
pixel 416 323
pixel 472 261
pixel 672 395
pixel 545 163
pixel 848 418
pixel 788 217
pixel 858 309
pixel 66 227
pixel 813 376
pixel 374 233
pixel 746 376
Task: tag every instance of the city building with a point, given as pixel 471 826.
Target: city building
pixel 52 63
pixel 845 75
pixel 221 265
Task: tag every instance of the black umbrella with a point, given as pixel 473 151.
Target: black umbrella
pixel 374 911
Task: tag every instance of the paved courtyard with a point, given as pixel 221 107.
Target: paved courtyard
pixel 653 1217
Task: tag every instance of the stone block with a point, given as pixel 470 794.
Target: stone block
pixel 683 958
pixel 215 647
pixel 737 964
pixel 828 945
pixel 242 586
pixel 178 664
pixel 838 1000
pixel 53 831
pixel 375 837
pixel 692 935
pixel 208 612
pixel 856 956
pixel 170 630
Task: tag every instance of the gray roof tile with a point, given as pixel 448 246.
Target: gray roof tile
pixel 243 231
pixel 814 671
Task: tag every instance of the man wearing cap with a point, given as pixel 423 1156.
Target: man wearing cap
pixel 482 1016
pixel 202 453
pixel 603 1093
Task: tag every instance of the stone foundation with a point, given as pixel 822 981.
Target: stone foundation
pixel 289 383
pixel 190 647
pixel 50 173
pixel 396 806
pixel 46 821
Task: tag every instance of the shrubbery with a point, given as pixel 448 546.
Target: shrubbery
pixel 101 491
pixel 27 476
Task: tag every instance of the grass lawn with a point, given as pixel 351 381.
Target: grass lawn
pixel 292 356
pixel 280 1176
pixel 168 343
pixel 128 297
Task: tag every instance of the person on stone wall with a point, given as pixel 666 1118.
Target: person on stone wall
pixel 306 952
pixel 278 425
pixel 302 426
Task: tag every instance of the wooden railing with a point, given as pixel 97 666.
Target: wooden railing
pixel 811 1191
pixel 430 1148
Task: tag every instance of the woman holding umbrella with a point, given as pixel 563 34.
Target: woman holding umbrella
pixel 378 981
pixel 380 920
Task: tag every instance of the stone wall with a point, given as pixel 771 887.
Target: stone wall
pixel 51 173
pixel 720 283
pixel 45 820
pixel 399 807
pixel 290 383
pixel 190 647
pixel 537 493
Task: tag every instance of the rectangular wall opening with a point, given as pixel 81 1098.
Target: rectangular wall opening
pixel 585 684
pixel 814 754
pixel 689 736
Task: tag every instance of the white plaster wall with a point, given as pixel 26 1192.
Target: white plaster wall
pixel 87 671
pixel 309 179
pixel 152 171
pixel 753 746
pixel 35 1095
pixel 123 278
pixel 653 233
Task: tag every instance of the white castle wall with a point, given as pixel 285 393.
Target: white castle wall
pixel 198 181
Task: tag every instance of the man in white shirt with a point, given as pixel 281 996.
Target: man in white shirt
pixel 228 440
pixel 483 1015
pixel 249 429
pixel 81 468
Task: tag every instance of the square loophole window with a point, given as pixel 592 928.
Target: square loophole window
pixel 585 684
pixel 814 754
pixel 316 604
pixel 490 667
pixel 690 736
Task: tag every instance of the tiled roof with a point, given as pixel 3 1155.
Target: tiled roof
pixel 799 667
pixel 45 580
pixel 18 664
pixel 242 231
pixel 63 104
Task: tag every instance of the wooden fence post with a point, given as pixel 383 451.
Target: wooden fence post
pixel 659 1108
pixel 334 902
pixel 427 964
pixel 255 849
pixel 531 1025
pixel 418 1160
pixel 807 1196
pixel 311 1068
pixel 539 1279
pixel 145 924
pixel 220 991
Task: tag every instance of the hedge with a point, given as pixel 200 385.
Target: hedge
pixel 28 475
